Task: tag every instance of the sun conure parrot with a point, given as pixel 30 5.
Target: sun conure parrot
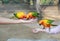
pixel 20 15
pixel 31 15
pixel 47 23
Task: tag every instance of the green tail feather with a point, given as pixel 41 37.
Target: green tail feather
pixel 53 25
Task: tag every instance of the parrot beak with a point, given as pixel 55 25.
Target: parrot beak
pixel 40 24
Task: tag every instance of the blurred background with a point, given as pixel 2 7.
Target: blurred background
pixel 41 6
pixel 46 8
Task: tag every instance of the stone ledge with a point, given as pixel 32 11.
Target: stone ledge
pixel 51 13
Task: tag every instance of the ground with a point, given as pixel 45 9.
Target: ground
pixel 21 31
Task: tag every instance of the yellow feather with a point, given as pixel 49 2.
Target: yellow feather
pixel 20 14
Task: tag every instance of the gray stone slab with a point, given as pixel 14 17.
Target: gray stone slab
pixel 31 40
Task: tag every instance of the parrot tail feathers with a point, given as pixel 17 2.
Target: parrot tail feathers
pixel 54 25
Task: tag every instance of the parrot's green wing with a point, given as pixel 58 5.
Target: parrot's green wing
pixel 35 14
pixel 50 21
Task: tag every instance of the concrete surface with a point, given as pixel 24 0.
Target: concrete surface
pixel 21 31
pixel 14 39
pixel 51 12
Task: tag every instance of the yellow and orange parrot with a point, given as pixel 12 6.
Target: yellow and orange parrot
pixel 46 23
pixel 20 15
pixel 31 15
